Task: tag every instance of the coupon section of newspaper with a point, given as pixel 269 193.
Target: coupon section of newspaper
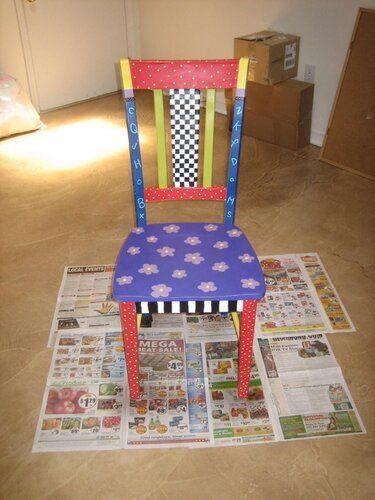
pixel 310 396
pixel 300 298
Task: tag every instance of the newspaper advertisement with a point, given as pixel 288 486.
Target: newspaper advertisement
pixel 173 408
pixel 235 421
pixel 83 404
pixel 85 301
pixel 189 368
pixel 334 308
pixel 189 396
pixel 300 298
pixel 209 326
pixel 310 396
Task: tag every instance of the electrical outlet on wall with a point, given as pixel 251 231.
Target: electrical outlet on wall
pixel 309 73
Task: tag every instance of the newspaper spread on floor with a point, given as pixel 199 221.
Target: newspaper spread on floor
pixel 85 301
pixel 188 369
pixel 310 396
pixel 83 402
pixel 300 298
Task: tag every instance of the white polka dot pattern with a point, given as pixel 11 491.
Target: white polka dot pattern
pixel 130 333
pixel 246 346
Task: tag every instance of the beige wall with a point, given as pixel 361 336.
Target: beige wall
pixel 11 54
pixel 206 28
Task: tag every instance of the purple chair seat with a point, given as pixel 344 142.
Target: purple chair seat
pixel 162 263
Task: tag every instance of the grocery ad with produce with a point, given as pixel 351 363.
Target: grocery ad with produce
pixel 233 420
pixel 84 398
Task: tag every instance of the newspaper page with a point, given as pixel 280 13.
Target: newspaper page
pixel 334 308
pixel 209 326
pixel 172 410
pixel 83 404
pixel 290 305
pixel 300 298
pixel 85 301
pixel 235 421
pixel 310 396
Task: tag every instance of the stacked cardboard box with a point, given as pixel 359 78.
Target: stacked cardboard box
pixel 273 57
pixel 277 109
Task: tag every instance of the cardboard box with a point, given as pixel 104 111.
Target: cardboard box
pixel 273 57
pixel 280 114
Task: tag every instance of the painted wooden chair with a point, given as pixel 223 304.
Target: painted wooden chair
pixel 186 267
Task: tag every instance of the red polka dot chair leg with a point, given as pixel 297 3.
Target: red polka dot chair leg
pixel 130 333
pixel 245 348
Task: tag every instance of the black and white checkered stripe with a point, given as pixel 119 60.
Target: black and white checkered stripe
pixel 184 110
pixel 191 306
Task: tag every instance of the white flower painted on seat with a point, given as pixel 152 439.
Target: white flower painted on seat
pixel 134 250
pixel 124 280
pixel 194 258
pixel 192 240
pixel 234 233
pixel 166 251
pixel 152 239
pixel 250 283
pixel 207 286
pixel 172 228
pixel 210 227
pixel 161 290
pixel 138 230
pixel 179 273
pixel 220 266
pixel 220 245
pixel 149 269
pixel 246 258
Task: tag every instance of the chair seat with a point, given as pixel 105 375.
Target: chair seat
pixel 182 262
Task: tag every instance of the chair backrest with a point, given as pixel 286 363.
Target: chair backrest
pixel 185 80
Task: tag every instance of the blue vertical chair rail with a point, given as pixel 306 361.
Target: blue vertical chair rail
pixel 136 161
pixel 234 159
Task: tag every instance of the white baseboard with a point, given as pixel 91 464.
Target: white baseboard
pixel 317 138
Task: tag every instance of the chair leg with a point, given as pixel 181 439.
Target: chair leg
pixel 130 333
pixel 245 349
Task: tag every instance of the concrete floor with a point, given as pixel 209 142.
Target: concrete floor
pixel 66 200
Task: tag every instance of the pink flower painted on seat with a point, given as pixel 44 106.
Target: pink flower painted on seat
pixel 179 273
pixel 207 286
pixel 172 228
pixel 134 250
pixel 210 227
pixel 192 240
pixel 194 258
pixel 220 245
pixel 152 239
pixel 161 290
pixel 234 233
pixel 124 280
pixel 220 266
pixel 138 230
pixel 166 251
pixel 246 258
pixel 149 269
pixel 250 283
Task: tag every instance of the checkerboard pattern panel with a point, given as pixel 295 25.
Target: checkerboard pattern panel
pixel 184 110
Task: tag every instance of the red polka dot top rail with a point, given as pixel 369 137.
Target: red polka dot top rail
pixel 203 74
